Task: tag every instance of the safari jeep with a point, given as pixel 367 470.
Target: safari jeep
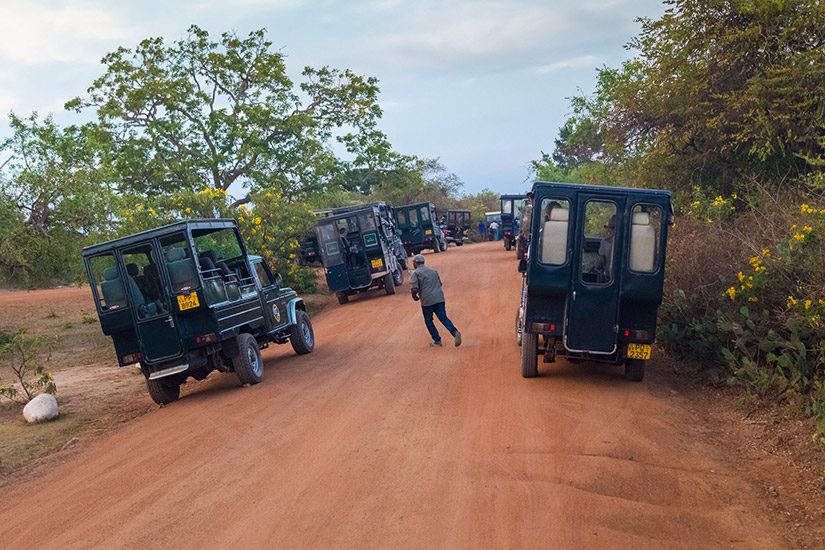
pixel 361 250
pixel 593 275
pixel 458 224
pixel 419 228
pixel 186 299
pixel 512 207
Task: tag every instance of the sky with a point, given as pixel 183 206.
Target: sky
pixel 481 85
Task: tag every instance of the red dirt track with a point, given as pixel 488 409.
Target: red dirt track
pixel 378 440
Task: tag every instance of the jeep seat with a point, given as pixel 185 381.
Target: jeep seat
pixel 181 270
pixel 642 243
pixel 554 237
pixel 112 289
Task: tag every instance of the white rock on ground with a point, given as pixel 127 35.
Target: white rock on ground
pixel 40 409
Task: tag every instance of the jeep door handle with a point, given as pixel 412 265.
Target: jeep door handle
pixel 171 321
pixel 574 295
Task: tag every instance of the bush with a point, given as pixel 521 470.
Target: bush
pixel 21 353
pixel 744 295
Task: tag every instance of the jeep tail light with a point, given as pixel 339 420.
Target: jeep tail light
pixel 638 334
pixel 129 359
pixel 544 327
pixel 206 339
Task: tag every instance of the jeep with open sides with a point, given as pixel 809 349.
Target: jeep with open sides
pixel 361 250
pixel 512 211
pixel 186 299
pixel 420 228
pixel 593 275
pixel 458 223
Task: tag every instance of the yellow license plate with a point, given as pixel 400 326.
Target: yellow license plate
pixel 188 301
pixel 428 231
pixel 638 351
pixel 378 262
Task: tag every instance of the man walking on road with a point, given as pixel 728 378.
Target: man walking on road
pixel 425 285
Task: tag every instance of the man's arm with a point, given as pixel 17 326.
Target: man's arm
pixel 414 286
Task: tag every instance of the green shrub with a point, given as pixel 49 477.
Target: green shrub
pixel 22 354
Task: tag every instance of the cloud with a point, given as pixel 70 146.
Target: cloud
pixel 571 63
pixel 7 103
pixel 36 34
pixel 482 37
pixel 257 5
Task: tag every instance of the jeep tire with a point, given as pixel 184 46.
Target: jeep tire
pixel 249 366
pixel 634 369
pixel 163 392
pixel 301 335
pixel 389 284
pixel 529 354
pixel 343 298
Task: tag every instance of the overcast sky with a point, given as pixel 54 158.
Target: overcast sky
pixel 482 85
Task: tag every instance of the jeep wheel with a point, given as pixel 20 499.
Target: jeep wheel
pixel 389 284
pixel 343 298
pixel 163 392
pixel 301 335
pixel 248 363
pixel 634 369
pixel 507 244
pixel 459 242
pixel 529 355
pixel 444 246
pixel 398 276
pixel 436 247
pixel 519 331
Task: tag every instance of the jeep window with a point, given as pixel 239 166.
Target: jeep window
pixel 598 252
pixel 143 282
pixel 108 285
pixel 425 214
pixel 645 228
pixel 507 206
pixel 179 265
pixel 367 222
pixel 329 243
pixel 413 217
pixel 402 218
pixel 263 275
pixel 554 231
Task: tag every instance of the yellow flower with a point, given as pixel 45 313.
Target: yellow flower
pixel 807 229
pixel 799 237
pixel 188 210
pixel 741 276
pixel 731 292
pixel 791 302
pixel 753 299
pixel 805 209
pixel 808 304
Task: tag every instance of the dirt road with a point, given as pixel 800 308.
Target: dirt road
pixel 378 440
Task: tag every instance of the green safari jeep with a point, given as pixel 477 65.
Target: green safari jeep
pixel 186 299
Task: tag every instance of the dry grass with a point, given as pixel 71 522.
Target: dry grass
pixel 23 443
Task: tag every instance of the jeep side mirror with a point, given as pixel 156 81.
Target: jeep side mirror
pixel 522 266
pixel 279 281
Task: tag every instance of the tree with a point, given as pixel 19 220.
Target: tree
pixel 53 178
pixel 211 113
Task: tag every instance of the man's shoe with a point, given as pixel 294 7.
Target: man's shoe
pixel 457 337
pixel 435 344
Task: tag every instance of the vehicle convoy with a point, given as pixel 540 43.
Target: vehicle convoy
pixel 360 249
pixel 512 207
pixel 593 275
pixel 186 299
pixel 458 223
pixel 419 228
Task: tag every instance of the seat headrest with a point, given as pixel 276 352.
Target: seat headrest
pixel 132 270
pixel 110 274
pixel 175 254
pixel 641 218
pixel 211 255
pixel 559 214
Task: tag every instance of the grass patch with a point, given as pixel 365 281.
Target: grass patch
pixel 23 442
pixel 88 320
pixel 67 325
pixel 51 315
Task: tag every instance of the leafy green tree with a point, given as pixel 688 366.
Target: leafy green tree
pixel 52 176
pixel 204 112
pixel 720 91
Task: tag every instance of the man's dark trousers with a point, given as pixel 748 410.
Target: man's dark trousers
pixel 441 312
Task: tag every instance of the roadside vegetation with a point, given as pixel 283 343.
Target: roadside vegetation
pixel 723 102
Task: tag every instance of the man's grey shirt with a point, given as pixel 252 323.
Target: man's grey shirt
pixel 428 283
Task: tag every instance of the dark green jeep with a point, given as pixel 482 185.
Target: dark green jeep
pixel 361 250
pixel 420 228
pixel 186 299
pixel 593 275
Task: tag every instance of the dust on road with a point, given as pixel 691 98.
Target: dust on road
pixel 378 440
